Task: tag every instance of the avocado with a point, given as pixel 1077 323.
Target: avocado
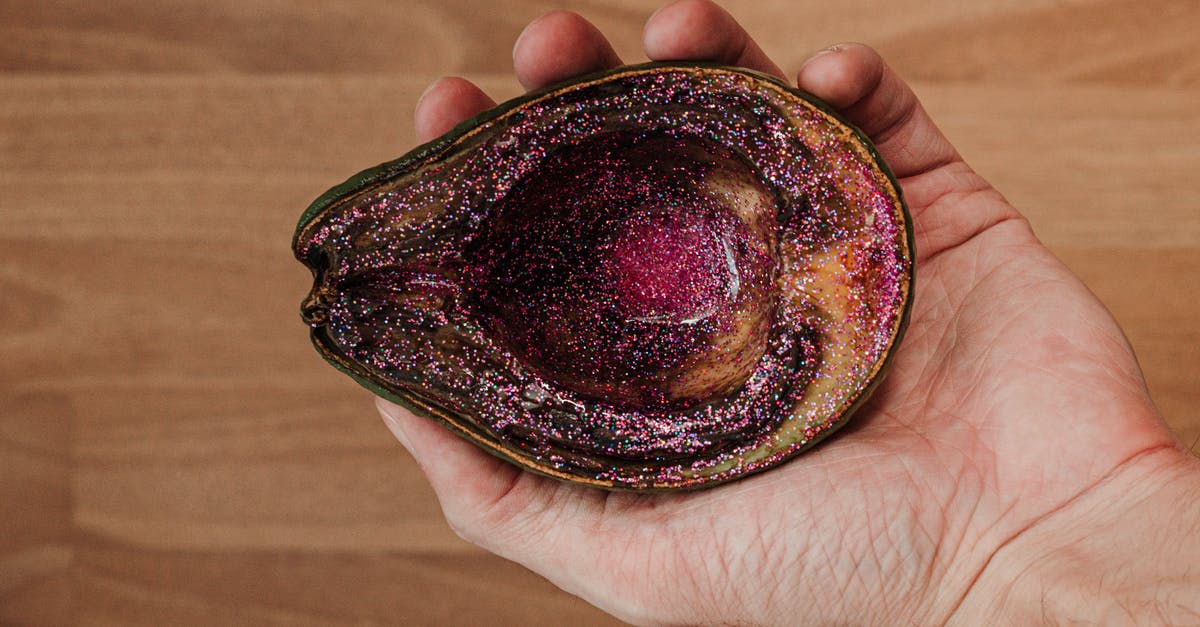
pixel 663 276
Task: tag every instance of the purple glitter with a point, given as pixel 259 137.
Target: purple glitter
pixel 660 279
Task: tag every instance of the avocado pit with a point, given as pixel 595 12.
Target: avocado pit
pixel 620 273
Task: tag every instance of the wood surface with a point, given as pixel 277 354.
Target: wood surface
pixel 172 450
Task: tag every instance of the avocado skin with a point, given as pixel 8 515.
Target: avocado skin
pixel 410 395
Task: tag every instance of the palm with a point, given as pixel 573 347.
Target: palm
pixel 1013 392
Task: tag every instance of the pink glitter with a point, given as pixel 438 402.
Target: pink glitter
pixel 671 270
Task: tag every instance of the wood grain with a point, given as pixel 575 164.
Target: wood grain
pixel 171 449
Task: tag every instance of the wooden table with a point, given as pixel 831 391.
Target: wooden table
pixel 172 451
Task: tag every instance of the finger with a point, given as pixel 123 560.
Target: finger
pixel 494 504
pixel 854 79
pixel 445 103
pixel 700 30
pixel 560 45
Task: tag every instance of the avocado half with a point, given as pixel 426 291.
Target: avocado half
pixel 657 277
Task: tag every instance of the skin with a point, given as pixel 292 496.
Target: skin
pixel 1011 469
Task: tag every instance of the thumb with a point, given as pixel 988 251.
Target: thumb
pixel 465 478
pixel 486 500
pixel 555 529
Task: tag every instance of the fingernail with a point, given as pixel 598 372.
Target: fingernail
pixel 392 419
pixel 430 87
pixel 822 52
pixel 818 54
pixel 657 11
pixel 525 31
pixel 517 43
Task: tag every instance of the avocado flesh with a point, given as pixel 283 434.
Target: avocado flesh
pixel 663 276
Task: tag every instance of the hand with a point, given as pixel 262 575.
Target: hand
pixel 1014 405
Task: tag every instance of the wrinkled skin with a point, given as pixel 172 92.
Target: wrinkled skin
pixel 1013 393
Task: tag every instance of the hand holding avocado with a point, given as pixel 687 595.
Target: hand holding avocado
pixel 1010 461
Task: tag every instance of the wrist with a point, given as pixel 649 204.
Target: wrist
pixel 1127 550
